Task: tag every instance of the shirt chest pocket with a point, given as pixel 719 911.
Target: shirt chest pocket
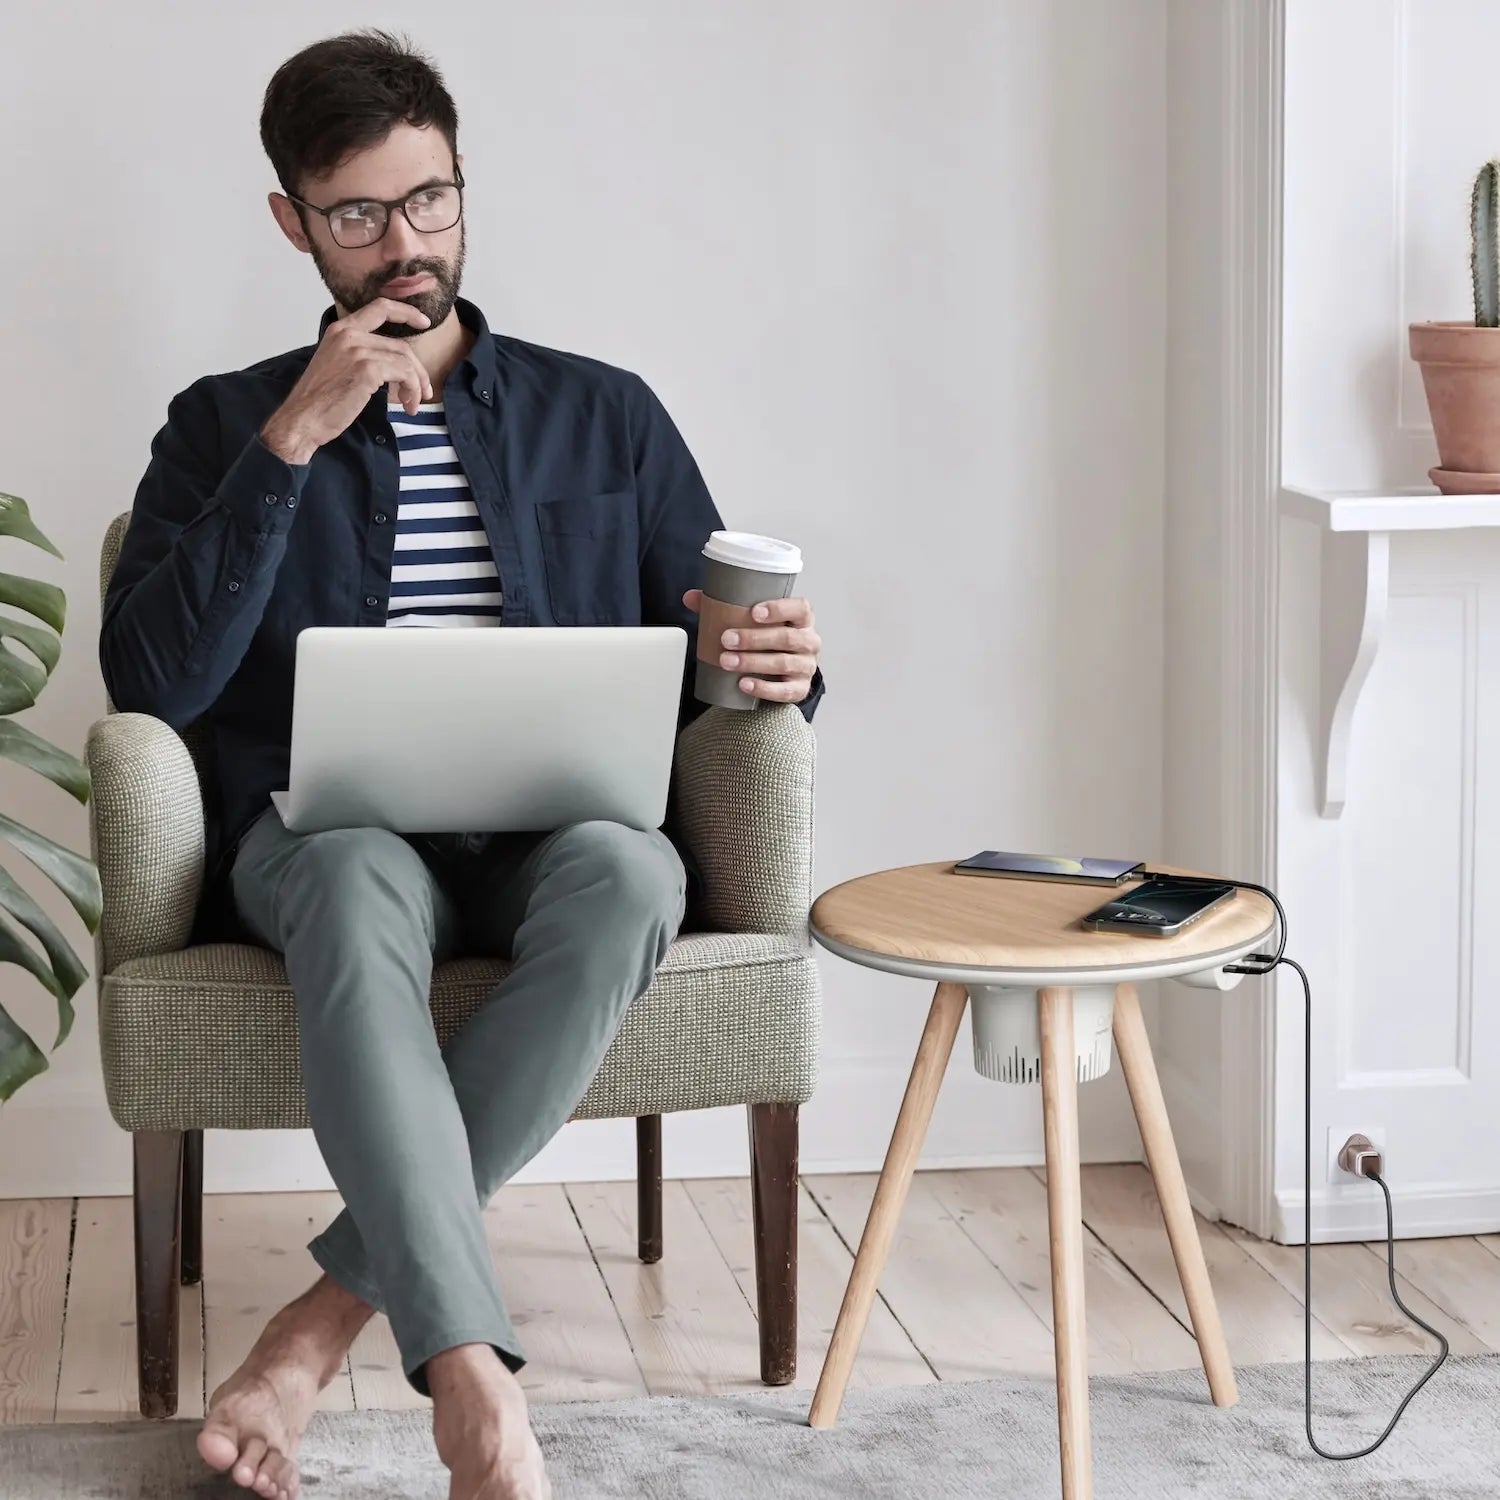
pixel 589 557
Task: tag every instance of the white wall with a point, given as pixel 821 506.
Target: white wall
pixel 897 270
pixel 1391 108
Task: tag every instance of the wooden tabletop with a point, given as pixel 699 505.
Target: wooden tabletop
pixel 928 913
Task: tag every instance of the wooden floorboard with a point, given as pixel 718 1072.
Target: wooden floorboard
pixel 964 1316
pixel 1005 1213
pixel 34 1235
pixel 375 1373
pixel 687 1319
pixel 887 1355
pixel 1458 1275
pixel 965 1295
pixel 255 1261
pixel 98 1381
pixel 1262 1319
pixel 575 1344
pixel 1352 1297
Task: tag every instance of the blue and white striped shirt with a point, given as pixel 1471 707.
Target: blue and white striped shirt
pixel 443 571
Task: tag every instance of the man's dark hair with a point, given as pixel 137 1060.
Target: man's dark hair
pixel 347 94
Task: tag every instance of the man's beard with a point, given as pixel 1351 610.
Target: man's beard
pixel 436 301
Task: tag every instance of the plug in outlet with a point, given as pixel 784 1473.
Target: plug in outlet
pixel 1360 1157
pixel 1338 1135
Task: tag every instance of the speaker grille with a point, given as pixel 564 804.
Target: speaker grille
pixel 1018 1067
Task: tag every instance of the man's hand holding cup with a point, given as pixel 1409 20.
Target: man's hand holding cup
pixel 756 643
pixel 784 647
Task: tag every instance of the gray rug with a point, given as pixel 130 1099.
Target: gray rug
pixel 1155 1436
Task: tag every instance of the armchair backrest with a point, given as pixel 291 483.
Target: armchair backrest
pixel 196 736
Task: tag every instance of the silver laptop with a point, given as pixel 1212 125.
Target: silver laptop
pixel 461 730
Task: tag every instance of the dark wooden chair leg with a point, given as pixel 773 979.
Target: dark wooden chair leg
pixel 158 1262
pixel 192 1207
pixel 773 1191
pixel 648 1186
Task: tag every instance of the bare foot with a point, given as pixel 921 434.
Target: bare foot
pixel 257 1417
pixel 482 1427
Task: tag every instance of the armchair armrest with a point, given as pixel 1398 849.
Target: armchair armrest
pixel 146 832
pixel 744 795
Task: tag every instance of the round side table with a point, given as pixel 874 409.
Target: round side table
pixel 1048 996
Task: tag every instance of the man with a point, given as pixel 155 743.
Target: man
pixel 412 469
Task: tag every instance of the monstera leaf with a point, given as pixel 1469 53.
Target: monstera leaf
pixel 28 653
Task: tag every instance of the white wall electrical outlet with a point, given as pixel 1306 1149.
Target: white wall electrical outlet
pixel 1337 1135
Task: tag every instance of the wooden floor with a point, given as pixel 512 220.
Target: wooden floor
pixel 965 1295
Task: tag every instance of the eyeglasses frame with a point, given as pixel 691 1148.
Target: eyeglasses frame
pixel 390 206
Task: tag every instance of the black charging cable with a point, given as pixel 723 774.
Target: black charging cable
pixel 1265 963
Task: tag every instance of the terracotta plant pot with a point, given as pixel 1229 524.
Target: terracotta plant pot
pixel 1461 372
pixel 1457 482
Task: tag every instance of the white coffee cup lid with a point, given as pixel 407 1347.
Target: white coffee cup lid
pixel 743 549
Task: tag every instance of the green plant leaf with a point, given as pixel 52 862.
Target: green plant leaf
pixel 71 873
pixel 15 520
pixel 21 682
pixel 14 949
pixel 20 1057
pixel 67 970
pixel 45 645
pixel 28 656
pixel 44 600
pixel 19 744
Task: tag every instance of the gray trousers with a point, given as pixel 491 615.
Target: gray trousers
pixel 417 1137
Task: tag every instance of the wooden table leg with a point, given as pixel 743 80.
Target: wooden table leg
pixel 927 1071
pixel 1065 1221
pixel 1139 1067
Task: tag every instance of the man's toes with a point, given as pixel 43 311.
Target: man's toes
pixel 217 1447
pixel 249 1461
pixel 282 1473
pixel 270 1481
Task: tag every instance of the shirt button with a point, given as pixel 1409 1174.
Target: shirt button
pixel 484 395
pixel 291 502
pixel 370 601
pixel 270 499
pixel 380 518
pixel 234 588
pixel 380 437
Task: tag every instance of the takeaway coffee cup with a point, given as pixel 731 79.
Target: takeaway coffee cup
pixel 740 570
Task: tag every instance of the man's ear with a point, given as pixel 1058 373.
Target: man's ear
pixel 287 218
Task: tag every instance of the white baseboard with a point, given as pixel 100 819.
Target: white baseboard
pixel 1421 1211
pixel 70 1147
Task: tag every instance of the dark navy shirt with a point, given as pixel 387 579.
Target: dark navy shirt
pixel 592 504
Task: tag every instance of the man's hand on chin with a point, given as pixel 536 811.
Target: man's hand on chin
pixel 781 648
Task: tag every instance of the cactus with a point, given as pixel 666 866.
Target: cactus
pixel 1485 259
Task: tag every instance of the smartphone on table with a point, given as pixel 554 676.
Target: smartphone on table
pixel 1159 907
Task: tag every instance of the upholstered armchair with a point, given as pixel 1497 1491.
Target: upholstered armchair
pixel 198 1037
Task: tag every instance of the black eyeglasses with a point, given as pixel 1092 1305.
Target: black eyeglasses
pixel 357 222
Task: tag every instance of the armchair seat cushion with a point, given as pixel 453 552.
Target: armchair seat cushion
pixel 205 1038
